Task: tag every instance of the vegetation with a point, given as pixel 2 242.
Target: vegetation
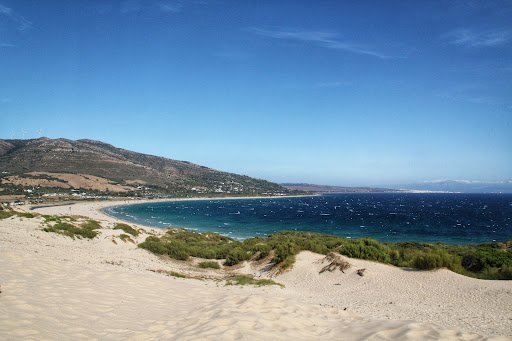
pixel 127 229
pixel 91 225
pixel 126 238
pixel 4 214
pixel 210 265
pixel 246 280
pixel 487 261
pixel 183 179
pixel 169 273
pixel 66 225
pixel 57 219
pixel 176 274
pixel 71 230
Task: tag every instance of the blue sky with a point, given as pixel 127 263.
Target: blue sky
pixel 328 92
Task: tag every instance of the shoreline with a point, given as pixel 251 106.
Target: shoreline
pixel 381 239
pixel 381 303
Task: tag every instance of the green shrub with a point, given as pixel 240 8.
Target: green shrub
pixel 154 246
pixel 287 262
pixel 221 251
pixel 285 250
pixel 177 250
pixel 152 239
pixel 126 228
pixel 212 265
pixel 505 272
pixel 428 261
pixel 366 248
pixel 236 256
pixel 486 257
pixel 263 249
pixel 316 246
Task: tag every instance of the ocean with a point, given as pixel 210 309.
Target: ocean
pixel 388 217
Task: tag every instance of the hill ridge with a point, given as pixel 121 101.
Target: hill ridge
pixel 123 167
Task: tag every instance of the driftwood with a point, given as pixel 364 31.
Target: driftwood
pixel 335 262
pixel 360 272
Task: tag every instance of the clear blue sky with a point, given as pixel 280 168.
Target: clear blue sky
pixel 327 92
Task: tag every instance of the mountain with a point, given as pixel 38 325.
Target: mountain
pixel 95 165
pixel 337 189
pixel 462 186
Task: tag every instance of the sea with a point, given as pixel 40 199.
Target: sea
pixel 450 218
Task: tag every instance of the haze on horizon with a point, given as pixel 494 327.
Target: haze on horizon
pixel 351 94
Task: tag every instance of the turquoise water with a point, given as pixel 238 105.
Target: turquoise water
pixel 446 218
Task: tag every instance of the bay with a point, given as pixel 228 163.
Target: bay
pixel 451 218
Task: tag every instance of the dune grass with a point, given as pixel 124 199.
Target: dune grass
pixel 126 228
pixel 67 226
pixel 8 214
pixel 247 280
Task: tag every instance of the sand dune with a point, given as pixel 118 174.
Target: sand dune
pixel 57 288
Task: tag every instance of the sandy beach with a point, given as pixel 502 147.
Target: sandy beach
pixel 57 288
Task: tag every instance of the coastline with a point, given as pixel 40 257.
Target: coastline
pixel 402 218
pixel 37 265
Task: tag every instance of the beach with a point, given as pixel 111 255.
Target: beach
pixel 54 287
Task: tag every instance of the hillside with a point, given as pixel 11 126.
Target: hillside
pixel 100 167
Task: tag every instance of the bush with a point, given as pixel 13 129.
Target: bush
pixel 263 249
pixel 366 248
pixel 486 257
pixel 287 262
pixel 428 261
pixel 177 250
pixel 212 265
pixel 154 246
pixel 236 256
pixel 152 239
pixel 284 250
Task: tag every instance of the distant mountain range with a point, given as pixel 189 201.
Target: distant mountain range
pixel 100 166
pixel 462 186
pixel 457 186
pixel 338 189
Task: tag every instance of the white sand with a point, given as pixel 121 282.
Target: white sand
pixel 57 288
